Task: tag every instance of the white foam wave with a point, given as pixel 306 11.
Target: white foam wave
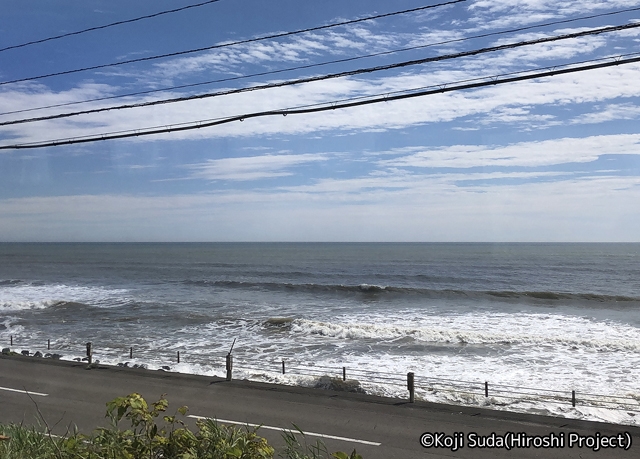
pixel 371 288
pixel 24 297
pixel 366 369
pixel 22 305
pixel 544 351
pixel 8 328
pixel 525 329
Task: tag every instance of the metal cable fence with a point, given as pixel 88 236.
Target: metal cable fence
pixel 425 387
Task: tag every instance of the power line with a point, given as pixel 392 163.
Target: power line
pixel 240 42
pixel 91 29
pixel 337 61
pixel 468 80
pixel 397 65
pixel 491 81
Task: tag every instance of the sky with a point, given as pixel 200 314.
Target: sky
pixel 553 159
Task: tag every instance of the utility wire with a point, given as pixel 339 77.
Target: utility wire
pixel 240 42
pixel 91 29
pixel 444 88
pixel 459 82
pixel 281 84
pixel 308 66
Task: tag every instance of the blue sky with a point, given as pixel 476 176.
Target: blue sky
pixel 554 159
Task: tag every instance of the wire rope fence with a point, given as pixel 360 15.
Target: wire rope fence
pixel 423 386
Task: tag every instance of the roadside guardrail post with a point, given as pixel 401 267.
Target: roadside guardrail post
pixel 282 366
pixel 344 373
pixel 130 352
pixel 229 366
pixel 90 352
pixel 178 356
pixel 411 387
pixel 486 389
pixel 11 340
pixel 48 345
pixel 573 398
pixel 230 361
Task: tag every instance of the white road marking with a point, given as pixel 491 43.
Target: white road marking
pixel 311 434
pixel 22 391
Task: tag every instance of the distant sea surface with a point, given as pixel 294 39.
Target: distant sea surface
pixel 553 316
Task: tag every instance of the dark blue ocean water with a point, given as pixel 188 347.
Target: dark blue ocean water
pixel 543 315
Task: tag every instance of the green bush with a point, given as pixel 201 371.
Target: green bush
pixel 146 438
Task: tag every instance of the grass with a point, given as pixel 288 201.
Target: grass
pixel 139 430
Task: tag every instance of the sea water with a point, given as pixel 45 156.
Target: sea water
pixel 560 317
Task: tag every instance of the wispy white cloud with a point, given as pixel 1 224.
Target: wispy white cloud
pixel 469 188
pixel 252 167
pixel 610 112
pixel 565 7
pixel 593 209
pixel 295 50
pixel 29 95
pixel 526 104
pixel 525 154
pixel 589 87
pixel 504 13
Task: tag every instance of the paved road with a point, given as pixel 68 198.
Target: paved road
pixel 377 427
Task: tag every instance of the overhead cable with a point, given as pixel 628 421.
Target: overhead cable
pixel 91 29
pixel 336 61
pixel 361 71
pixel 444 88
pixel 225 45
pixel 470 80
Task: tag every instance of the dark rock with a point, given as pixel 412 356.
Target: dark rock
pixel 6 350
pixel 38 354
pixel 78 359
pixel 126 364
pixel 85 359
pixel 47 356
pixel 25 353
pixel 56 356
pixel 120 364
pixel 165 367
pixel 337 384
pixel 280 322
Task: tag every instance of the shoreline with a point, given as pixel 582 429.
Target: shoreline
pixel 67 394
pixel 312 391
pixel 370 388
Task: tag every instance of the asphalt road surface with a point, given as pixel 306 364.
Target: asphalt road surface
pixel 68 394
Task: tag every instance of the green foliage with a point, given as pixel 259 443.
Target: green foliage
pixel 145 438
pixel 296 450
pixel 25 443
pixel 341 455
pixel 152 434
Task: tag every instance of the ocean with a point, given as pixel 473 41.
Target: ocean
pixel 556 317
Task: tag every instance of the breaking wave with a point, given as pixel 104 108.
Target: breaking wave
pixel 505 295
pixel 21 296
pixel 25 305
pixel 601 338
pixel 9 282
